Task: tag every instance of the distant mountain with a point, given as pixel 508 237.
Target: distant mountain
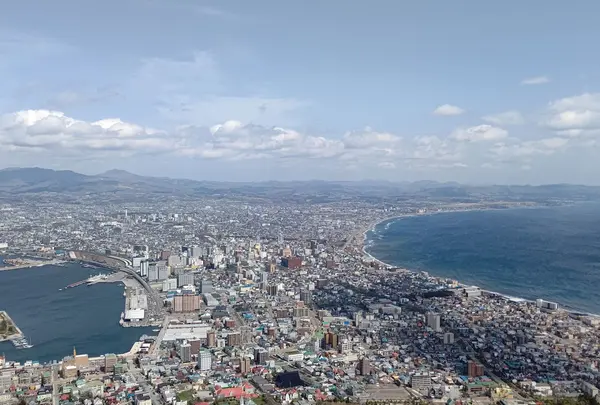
pixel 121 175
pixel 37 179
pixel 21 181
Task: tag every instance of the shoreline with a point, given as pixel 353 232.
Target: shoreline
pixel 8 267
pixel 18 334
pixel 374 224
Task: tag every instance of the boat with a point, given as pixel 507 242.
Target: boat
pixel 60 289
pixel 155 330
pixel 21 343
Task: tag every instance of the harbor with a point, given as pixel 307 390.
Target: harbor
pixel 54 321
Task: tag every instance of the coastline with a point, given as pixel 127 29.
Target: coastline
pixel 373 225
pixel 30 265
pixel 16 335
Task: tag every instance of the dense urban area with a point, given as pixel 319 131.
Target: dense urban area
pixel 269 299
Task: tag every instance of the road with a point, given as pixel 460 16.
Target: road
pixel 143 383
pixel 160 337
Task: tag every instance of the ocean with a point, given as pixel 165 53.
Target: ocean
pixel 84 317
pixel 551 253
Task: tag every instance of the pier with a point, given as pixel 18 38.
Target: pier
pixel 8 328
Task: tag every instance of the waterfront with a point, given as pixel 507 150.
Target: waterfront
pixel 56 321
pixel 551 253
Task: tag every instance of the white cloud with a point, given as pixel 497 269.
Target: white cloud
pixel 535 80
pixel 30 135
pixel 480 133
pixel 525 150
pixel 505 118
pixel 448 109
pixel 52 131
pixel 575 116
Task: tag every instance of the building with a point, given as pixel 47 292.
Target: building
pixel 144 267
pixel 448 338
pixel 206 286
pixel 345 346
pixel 169 284
pixel 174 261
pixel 421 382
pixel 434 321
pixel 6 380
pixel 234 339
pixel 287 252
pixel 305 297
pixel 110 361
pixel 365 366
pixel 291 263
pixel 330 340
pixel 158 271
pixel 245 366
pixel 260 355
pixel 301 312
pixel 143 399
pixel 185 279
pixel 204 360
pixel 185 352
pixel 186 303
pixel 474 369
pixel 211 339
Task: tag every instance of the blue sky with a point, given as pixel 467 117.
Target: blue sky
pixel 478 92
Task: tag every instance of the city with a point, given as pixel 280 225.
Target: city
pixel 264 301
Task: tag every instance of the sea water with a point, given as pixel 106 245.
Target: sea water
pixel 550 253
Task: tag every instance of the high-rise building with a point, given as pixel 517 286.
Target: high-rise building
pixel 206 286
pixel 185 279
pixel 144 264
pixel 234 339
pixel 260 355
pixel 433 321
pixel 330 340
pixel 211 339
pixel 186 303
pixel 163 271
pixel 365 366
pixel 110 360
pixel 245 366
pixel 474 369
pixel 448 338
pixel 291 262
pixel 305 296
pixel 301 312
pixel 185 352
pixel 204 360
pixel 152 272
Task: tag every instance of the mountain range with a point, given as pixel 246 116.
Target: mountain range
pixel 22 181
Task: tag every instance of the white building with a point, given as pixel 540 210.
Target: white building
pixel 204 360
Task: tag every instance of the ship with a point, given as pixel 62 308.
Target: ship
pixel 96 278
pixel 88 281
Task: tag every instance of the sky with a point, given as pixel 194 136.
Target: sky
pixel 470 91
